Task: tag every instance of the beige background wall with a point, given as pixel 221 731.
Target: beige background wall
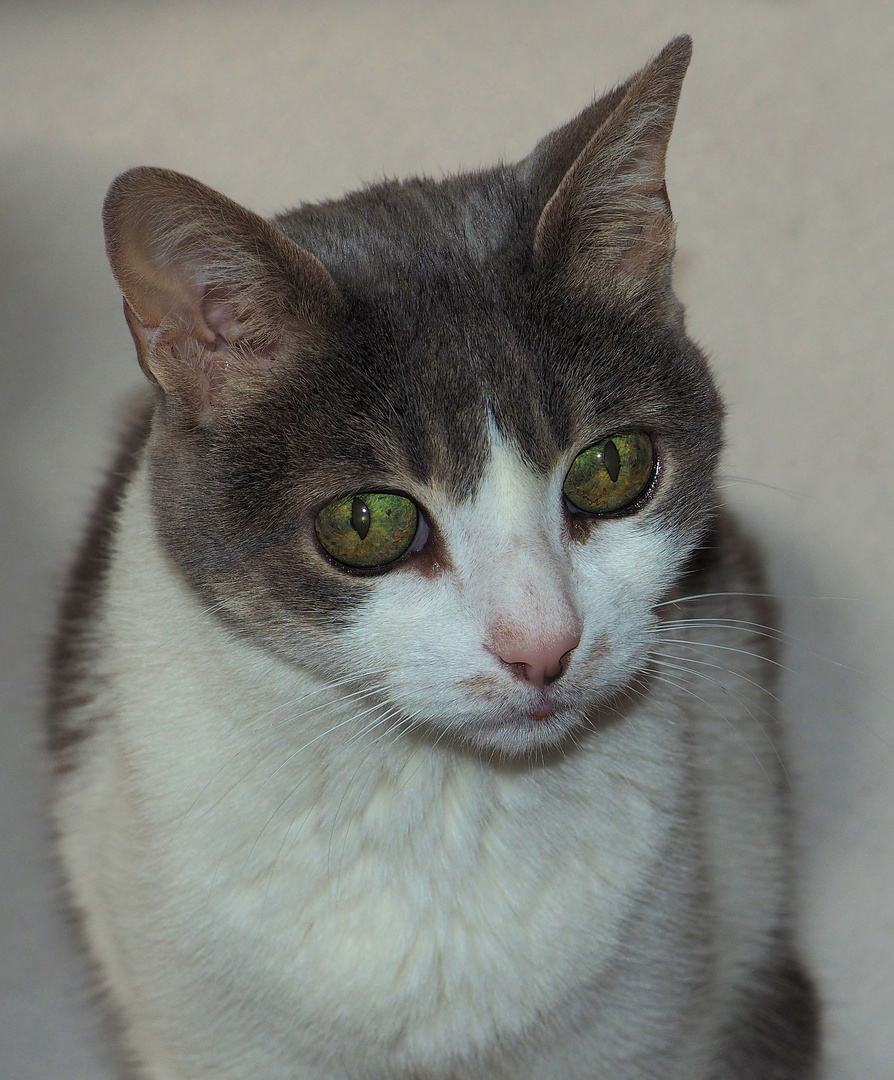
pixel 781 178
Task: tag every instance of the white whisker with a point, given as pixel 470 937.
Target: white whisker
pixel 353 719
pixel 719 667
pixel 670 681
pixel 289 721
pixel 664 664
pixel 731 649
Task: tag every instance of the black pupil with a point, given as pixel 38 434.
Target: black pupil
pixel 360 517
pixel 611 459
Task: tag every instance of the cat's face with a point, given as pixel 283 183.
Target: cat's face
pixel 447 440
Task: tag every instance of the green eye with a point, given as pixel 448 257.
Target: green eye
pixel 610 475
pixel 367 530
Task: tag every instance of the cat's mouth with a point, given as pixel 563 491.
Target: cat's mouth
pixel 518 732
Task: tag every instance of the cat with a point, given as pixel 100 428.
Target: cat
pixel 410 700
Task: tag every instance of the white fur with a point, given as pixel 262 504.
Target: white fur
pixel 282 879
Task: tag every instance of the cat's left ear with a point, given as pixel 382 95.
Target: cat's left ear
pixel 216 297
pixel 608 225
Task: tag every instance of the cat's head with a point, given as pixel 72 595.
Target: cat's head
pixel 446 438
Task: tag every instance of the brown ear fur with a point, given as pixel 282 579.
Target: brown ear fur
pixel 608 223
pixel 214 295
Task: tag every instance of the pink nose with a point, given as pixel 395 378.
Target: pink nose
pixel 539 661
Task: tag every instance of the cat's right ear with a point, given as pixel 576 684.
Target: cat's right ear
pixel 215 296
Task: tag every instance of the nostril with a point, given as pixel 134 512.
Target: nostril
pixel 553 672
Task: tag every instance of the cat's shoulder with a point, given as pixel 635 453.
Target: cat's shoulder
pixel 72 649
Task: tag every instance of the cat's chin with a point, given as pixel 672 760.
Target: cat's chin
pixel 525 734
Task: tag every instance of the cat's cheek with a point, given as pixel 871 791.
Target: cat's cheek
pixel 619 576
pixel 425 641
pixel 415 634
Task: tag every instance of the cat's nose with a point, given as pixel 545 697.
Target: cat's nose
pixel 539 661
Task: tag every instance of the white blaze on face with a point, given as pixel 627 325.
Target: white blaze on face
pixel 522 617
pixel 509 551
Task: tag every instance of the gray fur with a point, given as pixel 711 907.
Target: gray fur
pixel 285 865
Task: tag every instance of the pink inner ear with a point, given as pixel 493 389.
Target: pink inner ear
pixel 231 334
pixel 221 319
